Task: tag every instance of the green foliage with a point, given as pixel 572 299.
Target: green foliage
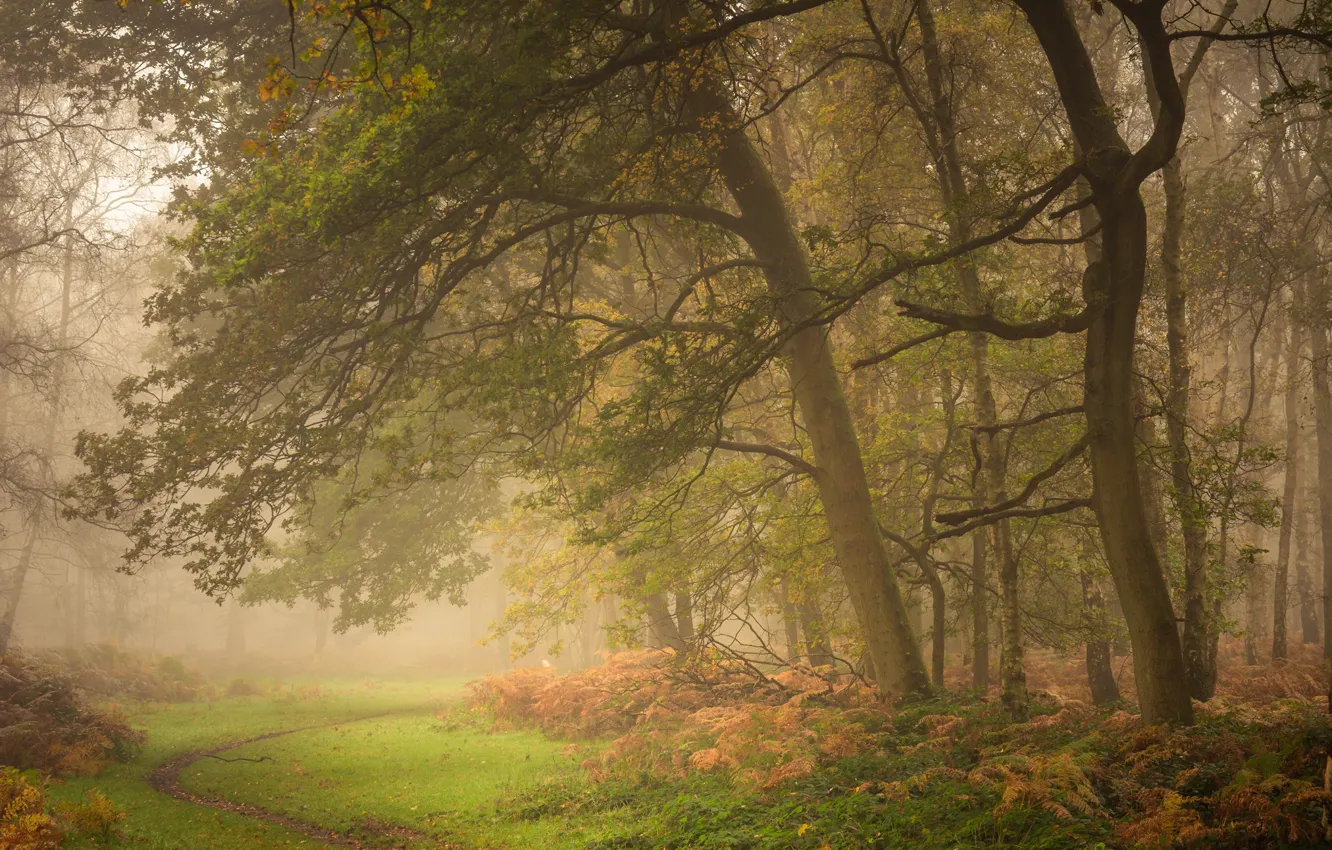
pixel 376 557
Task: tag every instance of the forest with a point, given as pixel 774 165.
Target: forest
pixel 665 424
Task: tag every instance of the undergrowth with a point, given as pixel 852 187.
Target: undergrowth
pixel 711 758
pixel 30 821
pixel 47 724
pixel 110 673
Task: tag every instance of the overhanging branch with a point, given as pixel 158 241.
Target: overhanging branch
pixel 1034 482
pixel 771 451
pixel 1016 513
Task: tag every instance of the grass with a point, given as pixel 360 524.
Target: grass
pixel 402 767
pixel 157 822
pixel 450 782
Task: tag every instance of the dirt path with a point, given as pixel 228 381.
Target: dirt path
pixel 372 834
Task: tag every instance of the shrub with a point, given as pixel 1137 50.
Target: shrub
pixel 46 724
pixel 110 673
pixel 29 822
pixel 793 762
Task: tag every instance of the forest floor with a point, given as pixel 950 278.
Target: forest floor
pixel 636 755
pixel 331 764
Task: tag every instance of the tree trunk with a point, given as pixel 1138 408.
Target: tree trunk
pixel 1115 286
pixel 1289 490
pixel 663 631
pixel 790 620
pixel 817 388
pixel 980 615
pixel 684 617
pixel 1323 425
pixel 1012 670
pixel 938 624
pixel 954 190
pixel 1303 583
pixel 1199 661
pixel 1158 660
pixel 817 650
pixel 1100 673
pixel 14 593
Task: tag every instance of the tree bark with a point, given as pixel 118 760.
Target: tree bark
pixel 817 650
pixel 954 191
pixel 1323 426
pixel 1200 671
pixel 980 615
pixel 1115 285
pixel 1309 621
pixel 1100 673
pixel 684 617
pixel 817 388
pixel 1290 488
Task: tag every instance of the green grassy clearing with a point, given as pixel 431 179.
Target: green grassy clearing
pixel 157 822
pixel 408 770
pixel 390 760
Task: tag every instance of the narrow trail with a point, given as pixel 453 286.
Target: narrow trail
pixel 374 834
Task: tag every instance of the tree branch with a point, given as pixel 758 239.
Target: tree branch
pixel 1073 451
pixel 1016 513
pixel 771 451
pixel 1023 423
pixel 987 323
pixel 873 359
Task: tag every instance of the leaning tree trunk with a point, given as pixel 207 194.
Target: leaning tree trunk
pixel 817 388
pixel 1158 660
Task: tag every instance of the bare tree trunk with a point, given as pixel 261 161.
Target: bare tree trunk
pixel 980 615
pixel 14 592
pixel 790 620
pixel 1323 425
pixel 1309 620
pixel 938 625
pixel 817 650
pixel 1289 490
pixel 663 631
pixel 1262 379
pixel 953 186
pixel 1115 286
pixel 1200 665
pixel 1100 673
pixel 1012 670
pixel 684 617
